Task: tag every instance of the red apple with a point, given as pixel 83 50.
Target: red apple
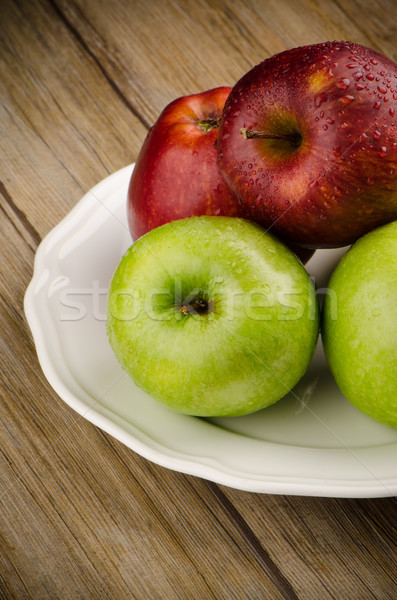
pixel 308 143
pixel 176 174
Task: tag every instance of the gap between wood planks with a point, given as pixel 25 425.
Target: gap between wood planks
pixel 272 570
pixel 86 48
pixel 22 218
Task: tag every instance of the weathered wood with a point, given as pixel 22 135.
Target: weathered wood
pixel 325 542
pixel 81 515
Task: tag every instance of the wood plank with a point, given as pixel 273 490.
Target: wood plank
pixel 134 42
pixel 68 126
pixel 217 40
pixel 377 20
pixel 326 546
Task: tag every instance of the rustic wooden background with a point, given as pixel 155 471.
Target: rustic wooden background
pixel 82 516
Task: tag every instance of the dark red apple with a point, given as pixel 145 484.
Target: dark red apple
pixel 176 174
pixel 308 143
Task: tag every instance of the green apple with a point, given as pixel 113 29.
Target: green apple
pixel 212 316
pixel 360 324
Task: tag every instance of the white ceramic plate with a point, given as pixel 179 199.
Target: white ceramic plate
pixel 313 442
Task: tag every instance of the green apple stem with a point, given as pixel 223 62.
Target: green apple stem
pixel 199 306
pixel 294 138
pixel 208 124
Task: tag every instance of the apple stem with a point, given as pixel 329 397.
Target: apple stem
pixel 249 134
pixel 208 124
pixel 199 306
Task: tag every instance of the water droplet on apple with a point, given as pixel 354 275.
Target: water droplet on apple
pixel 344 125
pixel 346 99
pixel 325 127
pixel 370 181
pixel 377 135
pixel 370 77
pixel 383 151
pixel 330 121
pixel 320 98
pixel 359 87
pixel 343 84
pixel 139 324
pixel 358 75
pixel 377 105
pixel 374 61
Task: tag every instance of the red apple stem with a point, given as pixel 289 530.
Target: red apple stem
pixel 208 124
pixel 249 134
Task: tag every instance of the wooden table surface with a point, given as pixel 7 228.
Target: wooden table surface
pixel 81 515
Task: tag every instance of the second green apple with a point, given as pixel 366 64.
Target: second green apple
pixel 360 324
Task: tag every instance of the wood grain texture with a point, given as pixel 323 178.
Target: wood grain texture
pixel 82 516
